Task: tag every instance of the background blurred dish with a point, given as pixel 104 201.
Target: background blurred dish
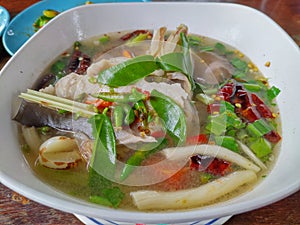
pixel 4 19
pixel 20 29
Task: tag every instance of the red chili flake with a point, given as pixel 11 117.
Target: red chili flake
pixel 84 63
pixel 227 91
pixel 242 97
pixel 134 33
pixel 264 110
pixel 198 139
pixel 273 137
pixel 209 164
pixel 158 134
pixel 79 62
pixel 251 114
pixel 214 107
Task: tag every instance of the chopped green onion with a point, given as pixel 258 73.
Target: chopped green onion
pixel 272 93
pixel 239 74
pixel 252 87
pixel 227 142
pixel 217 124
pixel 104 39
pixel 239 64
pixel 220 48
pixel 261 147
pixel 207 48
pixel 206 177
pixel 194 40
pixel 140 37
pixel 259 128
pixel 224 106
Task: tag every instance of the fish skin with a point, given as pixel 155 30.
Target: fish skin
pixel 33 114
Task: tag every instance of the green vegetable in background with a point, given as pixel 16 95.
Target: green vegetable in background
pixel 48 14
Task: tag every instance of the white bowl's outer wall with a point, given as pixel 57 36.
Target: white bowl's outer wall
pixel 244 28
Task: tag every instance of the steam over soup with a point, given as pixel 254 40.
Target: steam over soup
pixel 150 120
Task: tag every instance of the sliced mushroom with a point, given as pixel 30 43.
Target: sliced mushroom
pixel 59 152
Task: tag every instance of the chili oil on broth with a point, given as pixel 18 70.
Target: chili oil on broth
pixel 74 181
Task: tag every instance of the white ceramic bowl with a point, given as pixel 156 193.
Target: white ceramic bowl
pixel 244 28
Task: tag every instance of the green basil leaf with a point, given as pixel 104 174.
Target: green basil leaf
pixel 128 72
pixel 103 159
pixel 172 115
pixel 187 60
pixel 172 62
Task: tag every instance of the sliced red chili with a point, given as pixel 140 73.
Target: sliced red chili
pixel 214 107
pixel 132 34
pixel 273 137
pixel 264 110
pixel 198 139
pixel 227 91
pixel 210 165
pixel 251 114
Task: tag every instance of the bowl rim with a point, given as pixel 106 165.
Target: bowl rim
pixel 127 216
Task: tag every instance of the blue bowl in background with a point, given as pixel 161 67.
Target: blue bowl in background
pixel 4 19
pixel 20 29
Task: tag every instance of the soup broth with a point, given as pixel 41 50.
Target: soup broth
pixel 191 112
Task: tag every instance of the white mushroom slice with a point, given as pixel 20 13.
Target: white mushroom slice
pixel 192 197
pixel 161 47
pixel 171 43
pixel 59 152
pixel 209 150
pixel 157 41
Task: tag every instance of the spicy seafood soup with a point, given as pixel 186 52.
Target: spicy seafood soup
pixel 151 120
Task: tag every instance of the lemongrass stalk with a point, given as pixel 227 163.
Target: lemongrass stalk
pixel 55 102
pixel 206 193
